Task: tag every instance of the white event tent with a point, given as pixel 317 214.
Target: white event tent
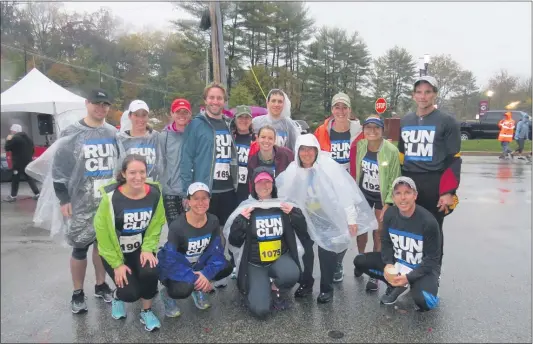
pixel 37 94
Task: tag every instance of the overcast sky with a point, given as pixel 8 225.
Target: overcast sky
pixel 482 36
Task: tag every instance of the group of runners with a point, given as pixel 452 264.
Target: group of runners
pixel 248 198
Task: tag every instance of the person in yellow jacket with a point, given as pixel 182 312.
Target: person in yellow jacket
pixel 506 125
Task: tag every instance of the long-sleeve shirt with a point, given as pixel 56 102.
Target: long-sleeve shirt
pixel 432 144
pixel 412 243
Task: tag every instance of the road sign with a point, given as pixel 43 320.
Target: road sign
pixel 381 105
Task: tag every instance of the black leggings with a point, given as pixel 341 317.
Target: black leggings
pixel 328 264
pixel 423 291
pixel 15 181
pixel 182 290
pixel 142 283
pixel 173 207
pixel 427 185
pixel 222 205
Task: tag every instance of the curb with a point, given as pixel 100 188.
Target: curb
pixel 480 153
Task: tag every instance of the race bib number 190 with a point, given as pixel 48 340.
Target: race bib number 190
pixel 130 243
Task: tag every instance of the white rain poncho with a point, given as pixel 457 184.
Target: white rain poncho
pixel 330 197
pixel 82 160
pixel 147 146
pixel 286 129
pixel 252 202
pixel 125 122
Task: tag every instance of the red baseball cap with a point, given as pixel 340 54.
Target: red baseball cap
pixel 179 104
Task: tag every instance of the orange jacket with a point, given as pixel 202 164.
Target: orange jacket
pixel 506 126
pixel 322 133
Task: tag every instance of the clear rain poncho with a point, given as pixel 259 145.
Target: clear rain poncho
pixel 82 160
pixel 286 129
pixel 252 202
pixel 147 146
pixel 330 197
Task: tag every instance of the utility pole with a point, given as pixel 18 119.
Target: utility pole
pixel 214 41
pixel 25 61
pixel 100 77
pixel 220 43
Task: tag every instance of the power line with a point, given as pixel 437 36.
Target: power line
pixel 87 69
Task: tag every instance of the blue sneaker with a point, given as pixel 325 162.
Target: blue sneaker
pixel 118 309
pixel 171 306
pixel 200 300
pixel 149 320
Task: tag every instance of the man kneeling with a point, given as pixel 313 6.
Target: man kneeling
pixel 410 250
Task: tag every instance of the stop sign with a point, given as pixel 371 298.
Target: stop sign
pixel 381 105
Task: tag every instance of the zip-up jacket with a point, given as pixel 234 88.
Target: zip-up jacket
pixel 106 232
pixel 388 165
pixel 198 154
pixel 322 133
pixel 174 266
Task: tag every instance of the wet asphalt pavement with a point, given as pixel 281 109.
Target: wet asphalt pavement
pixel 485 289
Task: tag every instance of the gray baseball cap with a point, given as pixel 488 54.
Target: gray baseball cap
pixel 429 79
pixel 406 181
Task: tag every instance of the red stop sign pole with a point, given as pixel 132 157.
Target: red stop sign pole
pixel 381 105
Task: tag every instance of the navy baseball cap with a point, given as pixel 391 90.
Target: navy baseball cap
pixel 374 120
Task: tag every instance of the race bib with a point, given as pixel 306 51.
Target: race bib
pixel 243 174
pixel 370 184
pixel 402 269
pixel 97 183
pixel 269 251
pixel 130 243
pixel 221 171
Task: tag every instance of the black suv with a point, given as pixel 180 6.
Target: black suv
pixel 486 127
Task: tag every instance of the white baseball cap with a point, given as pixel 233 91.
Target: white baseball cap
pixel 16 128
pixel 138 105
pixel 429 79
pixel 194 187
pixel 406 181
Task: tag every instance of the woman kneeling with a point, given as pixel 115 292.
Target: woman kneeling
pixel 128 225
pixel 265 230
pixel 193 255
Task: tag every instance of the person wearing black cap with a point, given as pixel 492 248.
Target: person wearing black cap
pixel 430 151
pixel 374 164
pixel 84 161
pixel 243 134
pixel 410 250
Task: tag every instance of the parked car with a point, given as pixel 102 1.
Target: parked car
pixel 486 127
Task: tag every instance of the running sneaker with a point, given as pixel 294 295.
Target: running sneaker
pixel 304 290
pixel 392 294
pixel 338 276
pixel 234 274
pixel 372 284
pixel 36 197
pixel 149 320
pixel 78 302
pixel 171 306
pixel 104 292
pixel 279 303
pixel 118 309
pixel 10 199
pixel 201 300
pixel 325 297
pixel 221 283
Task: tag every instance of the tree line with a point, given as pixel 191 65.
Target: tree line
pixel 278 41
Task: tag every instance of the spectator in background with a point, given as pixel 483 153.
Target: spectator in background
pixel 521 135
pixel 506 125
pixel 21 147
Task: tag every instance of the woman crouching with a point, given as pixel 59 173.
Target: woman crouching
pixel 128 225
pixel 263 232
pixel 193 255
